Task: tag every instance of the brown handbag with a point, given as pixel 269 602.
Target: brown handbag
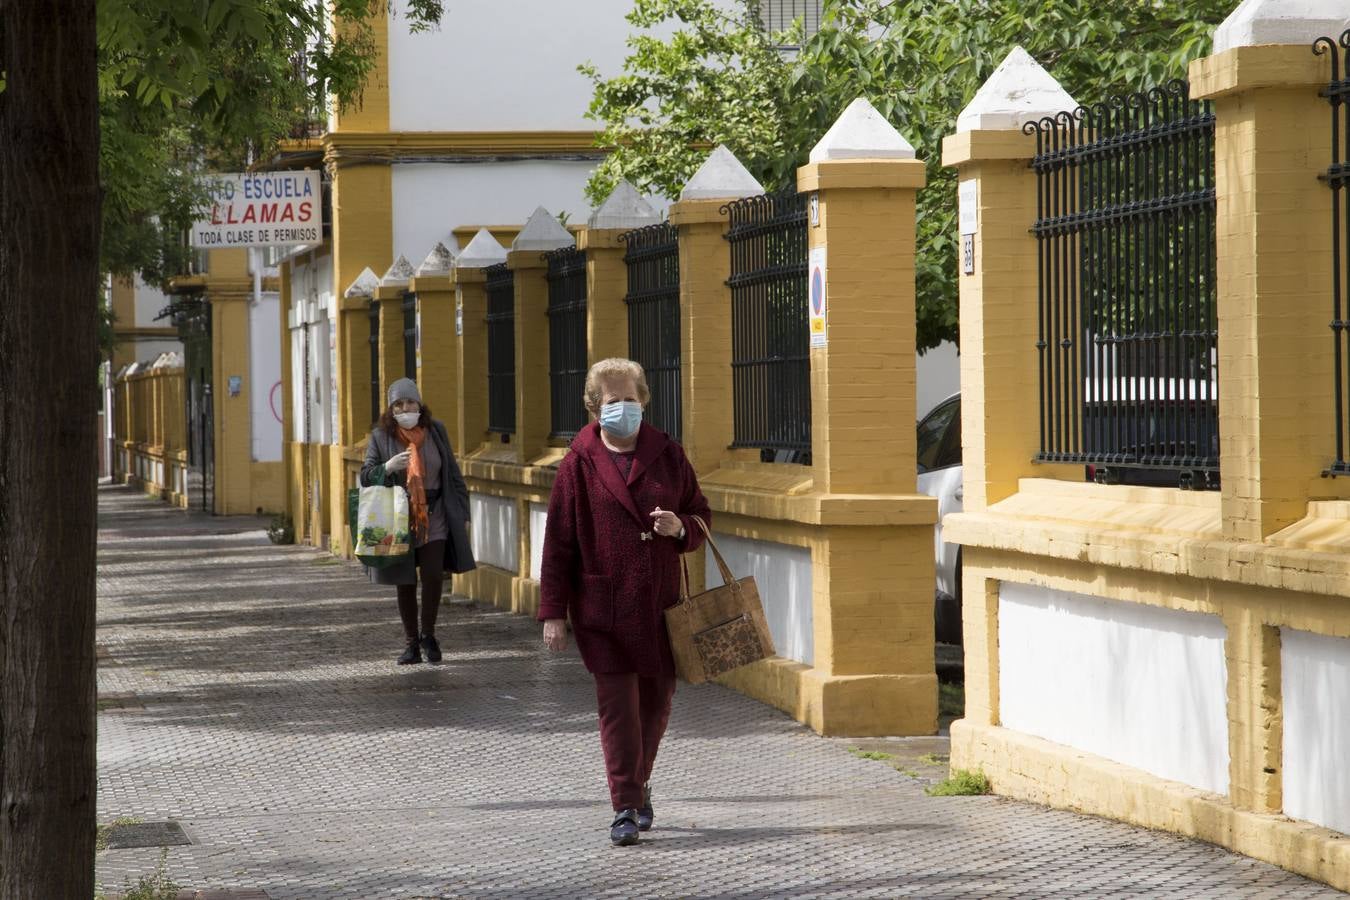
pixel 720 629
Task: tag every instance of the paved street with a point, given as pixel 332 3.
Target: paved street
pixel 249 692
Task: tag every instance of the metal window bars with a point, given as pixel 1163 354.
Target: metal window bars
pixel 652 258
pixel 566 340
pixel 1337 177
pixel 776 16
pixel 1127 333
pixel 770 356
pixel 410 335
pixel 501 347
pixel 376 404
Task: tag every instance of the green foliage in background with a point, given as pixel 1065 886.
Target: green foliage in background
pixel 721 79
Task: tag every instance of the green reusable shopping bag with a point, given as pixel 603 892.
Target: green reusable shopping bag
pixel 379 523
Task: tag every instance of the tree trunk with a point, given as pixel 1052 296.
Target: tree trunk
pixel 49 263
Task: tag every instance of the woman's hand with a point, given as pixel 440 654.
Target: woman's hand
pixel 555 634
pixel 666 523
pixel 398 462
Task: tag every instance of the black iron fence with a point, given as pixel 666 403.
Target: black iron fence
pixel 1127 334
pixel 567 340
pixel 652 257
pixel 770 357
pixel 376 401
pixel 501 340
pixel 1337 178
pixel 778 15
pixel 410 335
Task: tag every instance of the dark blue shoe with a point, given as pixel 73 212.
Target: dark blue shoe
pixel 645 815
pixel 623 831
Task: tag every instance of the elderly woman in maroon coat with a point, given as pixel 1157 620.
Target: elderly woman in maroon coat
pixel 618 520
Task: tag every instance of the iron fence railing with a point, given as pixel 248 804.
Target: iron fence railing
pixel 376 401
pixel 1127 333
pixel 1337 178
pixel 501 340
pixel 410 335
pixel 652 257
pixel 770 357
pixel 567 340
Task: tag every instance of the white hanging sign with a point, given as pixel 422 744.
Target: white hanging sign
pixel 817 309
pixel 261 209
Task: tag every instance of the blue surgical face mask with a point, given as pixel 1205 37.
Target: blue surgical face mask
pixel 621 418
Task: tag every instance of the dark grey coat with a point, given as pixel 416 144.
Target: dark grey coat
pixel 454 496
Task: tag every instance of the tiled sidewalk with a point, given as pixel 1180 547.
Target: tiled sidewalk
pixel 251 695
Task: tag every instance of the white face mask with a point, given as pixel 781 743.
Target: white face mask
pixel 407 420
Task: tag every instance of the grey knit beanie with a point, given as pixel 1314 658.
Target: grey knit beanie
pixel 404 389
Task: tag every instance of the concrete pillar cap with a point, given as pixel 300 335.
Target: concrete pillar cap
pixel 363 288
pixel 1257 22
pixel 398 274
pixel 439 261
pixel 861 132
pixel 484 250
pixel 624 208
pixel 1017 92
pixel 721 177
pixel 542 232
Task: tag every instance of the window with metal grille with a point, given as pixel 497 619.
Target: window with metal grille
pixel 410 335
pixel 652 257
pixel 376 401
pixel 1337 178
pixel 770 358
pixel 778 15
pixel 1127 333
pixel 567 340
pixel 501 338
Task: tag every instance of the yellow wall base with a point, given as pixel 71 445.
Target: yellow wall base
pixel 1030 768
pixel 854 705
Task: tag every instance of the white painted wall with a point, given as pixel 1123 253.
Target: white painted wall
pixel 503 65
pixel 938 376
pixel 431 199
pixel 496 531
pixel 783 576
pixel 149 302
pixel 264 362
pixel 538 519
pixel 1137 684
pixel 1315 675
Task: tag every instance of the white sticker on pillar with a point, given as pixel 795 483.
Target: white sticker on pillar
pixel 967 196
pixel 818 309
pixel 459 321
pixel 417 327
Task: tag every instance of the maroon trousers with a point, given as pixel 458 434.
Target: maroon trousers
pixel 634 710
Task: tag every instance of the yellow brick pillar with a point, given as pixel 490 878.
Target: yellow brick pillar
pixel 438 347
pixel 233 424
pixel 1272 140
pixel 606 273
pixel 390 302
pixel 534 419
pixel 872 582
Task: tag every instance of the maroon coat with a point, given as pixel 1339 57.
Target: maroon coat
pixel 598 566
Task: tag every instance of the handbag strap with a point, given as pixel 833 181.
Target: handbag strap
pixel 727 577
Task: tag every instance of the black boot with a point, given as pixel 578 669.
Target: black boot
pixel 431 648
pixel 411 654
pixel 623 831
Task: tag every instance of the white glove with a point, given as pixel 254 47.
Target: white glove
pixel 397 463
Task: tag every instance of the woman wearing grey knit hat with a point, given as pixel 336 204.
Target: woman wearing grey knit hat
pixel 409 448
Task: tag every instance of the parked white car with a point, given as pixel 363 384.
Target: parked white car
pixel 940 472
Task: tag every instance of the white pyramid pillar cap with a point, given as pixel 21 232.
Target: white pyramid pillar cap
pixel 861 133
pixel 721 177
pixel 364 286
pixel 1017 92
pixel 624 208
pixel 542 232
pixel 439 261
pixel 398 273
pixel 482 251
pixel 1281 22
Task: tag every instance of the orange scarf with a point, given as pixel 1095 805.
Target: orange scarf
pixel 417 495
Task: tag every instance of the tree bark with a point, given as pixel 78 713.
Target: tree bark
pixel 49 263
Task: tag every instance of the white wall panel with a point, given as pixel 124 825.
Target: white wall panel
pixel 264 362
pixel 1315 676
pixel 783 576
pixel 496 531
pixel 538 519
pixel 1138 684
